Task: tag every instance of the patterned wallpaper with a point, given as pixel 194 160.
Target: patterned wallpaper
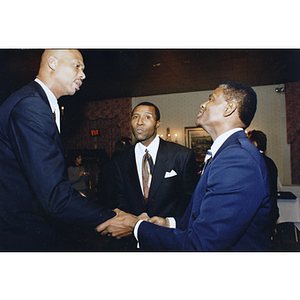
pixel 110 117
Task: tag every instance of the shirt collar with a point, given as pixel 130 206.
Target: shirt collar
pixel 152 148
pixel 51 98
pixel 221 139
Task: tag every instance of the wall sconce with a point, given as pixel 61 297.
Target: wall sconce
pixel 168 138
pixel 280 90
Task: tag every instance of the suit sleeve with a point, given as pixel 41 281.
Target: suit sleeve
pixel 35 143
pixel 234 193
pixel 189 176
pixel 121 200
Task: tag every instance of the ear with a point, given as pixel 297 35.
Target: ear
pixel 157 124
pixel 52 62
pixel 230 108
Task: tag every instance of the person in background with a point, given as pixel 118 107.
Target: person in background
pixel 34 186
pixel 259 140
pixel 172 174
pixel 106 186
pixel 230 207
pixel 77 175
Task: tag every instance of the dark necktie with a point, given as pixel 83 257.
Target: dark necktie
pixel 206 160
pixel 147 171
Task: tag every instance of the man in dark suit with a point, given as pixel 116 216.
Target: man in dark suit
pixel 173 176
pixel 34 186
pixel 230 207
pixel 259 140
pixel 174 169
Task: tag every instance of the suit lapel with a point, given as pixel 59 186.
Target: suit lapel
pixel 160 167
pixel 44 97
pixel 133 175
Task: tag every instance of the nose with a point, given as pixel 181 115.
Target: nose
pixel 140 121
pixel 82 75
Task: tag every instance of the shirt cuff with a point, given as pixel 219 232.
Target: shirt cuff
pixel 135 232
pixel 172 222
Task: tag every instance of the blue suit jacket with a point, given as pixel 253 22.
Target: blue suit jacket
pixel 230 207
pixel 34 185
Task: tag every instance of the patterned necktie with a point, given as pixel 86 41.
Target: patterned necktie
pixel 206 160
pixel 147 171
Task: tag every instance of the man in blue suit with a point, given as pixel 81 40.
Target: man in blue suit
pixel 34 186
pixel 230 207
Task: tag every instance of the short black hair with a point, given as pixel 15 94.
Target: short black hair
pixel 157 113
pixel 72 155
pixel 259 137
pixel 246 97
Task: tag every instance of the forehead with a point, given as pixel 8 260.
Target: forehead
pixel 218 91
pixel 144 109
pixel 74 56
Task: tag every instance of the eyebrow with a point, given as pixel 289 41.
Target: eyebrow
pixel 137 113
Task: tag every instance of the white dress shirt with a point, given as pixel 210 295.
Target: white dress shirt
pixel 140 152
pixel 52 101
pixel 214 148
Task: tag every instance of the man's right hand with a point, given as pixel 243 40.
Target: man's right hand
pixel 160 221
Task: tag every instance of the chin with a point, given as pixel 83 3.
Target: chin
pixel 197 124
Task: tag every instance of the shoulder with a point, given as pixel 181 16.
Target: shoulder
pixel 269 162
pixel 25 102
pixel 124 156
pixel 33 89
pixel 241 146
pixel 30 93
pixel 175 147
pixel 240 154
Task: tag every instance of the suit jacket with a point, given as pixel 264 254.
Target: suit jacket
pixel 230 207
pixel 168 196
pixel 273 174
pixel 34 185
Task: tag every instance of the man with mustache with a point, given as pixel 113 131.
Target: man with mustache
pixel 34 186
pixel 230 207
pixel 173 173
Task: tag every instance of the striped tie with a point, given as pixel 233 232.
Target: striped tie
pixel 206 160
pixel 147 171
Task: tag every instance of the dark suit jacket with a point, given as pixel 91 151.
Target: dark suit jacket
pixel 167 196
pixel 34 185
pixel 273 174
pixel 229 210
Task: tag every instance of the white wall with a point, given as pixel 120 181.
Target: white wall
pixel 180 110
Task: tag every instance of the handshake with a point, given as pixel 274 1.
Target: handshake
pixel 123 223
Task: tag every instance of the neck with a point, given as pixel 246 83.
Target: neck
pixel 147 142
pixel 215 132
pixel 48 82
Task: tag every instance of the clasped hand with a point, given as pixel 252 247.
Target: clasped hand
pixel 123 223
